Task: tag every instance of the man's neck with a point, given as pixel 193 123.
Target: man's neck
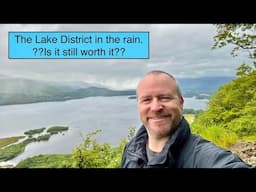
pixel 157 144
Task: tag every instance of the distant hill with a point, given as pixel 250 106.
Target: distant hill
pixel 21 91
pixel 195 86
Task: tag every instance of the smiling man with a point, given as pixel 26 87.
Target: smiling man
pixel 164 140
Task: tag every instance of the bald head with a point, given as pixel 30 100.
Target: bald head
pixel 163 74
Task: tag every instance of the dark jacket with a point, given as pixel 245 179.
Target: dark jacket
pixel 182 150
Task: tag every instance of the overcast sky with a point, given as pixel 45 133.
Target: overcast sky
pixel 183 50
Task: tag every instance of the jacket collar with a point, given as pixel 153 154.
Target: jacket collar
pixel 171 148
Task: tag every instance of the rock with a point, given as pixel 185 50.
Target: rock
pixel 246 150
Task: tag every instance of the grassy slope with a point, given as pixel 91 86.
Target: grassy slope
pixel 9 140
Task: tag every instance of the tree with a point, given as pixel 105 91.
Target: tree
pixel 231 110
pixel 242 36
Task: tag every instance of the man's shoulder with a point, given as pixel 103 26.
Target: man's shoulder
pixel 201 143
pixel 196 144
pixel 199 140
pixel 210 155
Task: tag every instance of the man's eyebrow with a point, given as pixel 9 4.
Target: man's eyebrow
pixel 165 94
pixel 144 96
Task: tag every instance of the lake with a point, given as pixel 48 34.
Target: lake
pixel 113 115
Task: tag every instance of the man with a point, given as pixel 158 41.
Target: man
pixel 165 139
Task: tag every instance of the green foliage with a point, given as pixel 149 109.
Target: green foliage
pixel 44 137
pixel 14 150
pixel 217 135
pixel 10 140
pixel 34 131
pixel 91 154
pixel 46 161
pixel 244 70
pixel 11 151
pixel 231 110
pixel 242 36
pixel 56 129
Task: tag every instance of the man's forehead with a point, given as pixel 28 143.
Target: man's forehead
pixel 155 77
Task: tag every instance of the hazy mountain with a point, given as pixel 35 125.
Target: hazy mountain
pixel 202 85
pixel 20 91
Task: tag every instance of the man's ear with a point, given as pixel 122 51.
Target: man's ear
pixel 181 100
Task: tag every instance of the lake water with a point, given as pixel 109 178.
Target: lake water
pixel 113 115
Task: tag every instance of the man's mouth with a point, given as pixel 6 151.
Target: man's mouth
pixel 158 118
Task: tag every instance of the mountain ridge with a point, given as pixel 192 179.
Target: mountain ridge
pixel 22 91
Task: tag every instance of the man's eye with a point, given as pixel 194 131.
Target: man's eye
pixel 165 98
pixel 145 100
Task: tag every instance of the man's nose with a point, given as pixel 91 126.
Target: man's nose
pixel 156 105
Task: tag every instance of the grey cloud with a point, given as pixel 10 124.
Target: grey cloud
pixel 181 49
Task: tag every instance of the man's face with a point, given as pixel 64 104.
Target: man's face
pixel 160 106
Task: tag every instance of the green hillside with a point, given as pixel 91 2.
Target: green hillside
pixel 231 113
